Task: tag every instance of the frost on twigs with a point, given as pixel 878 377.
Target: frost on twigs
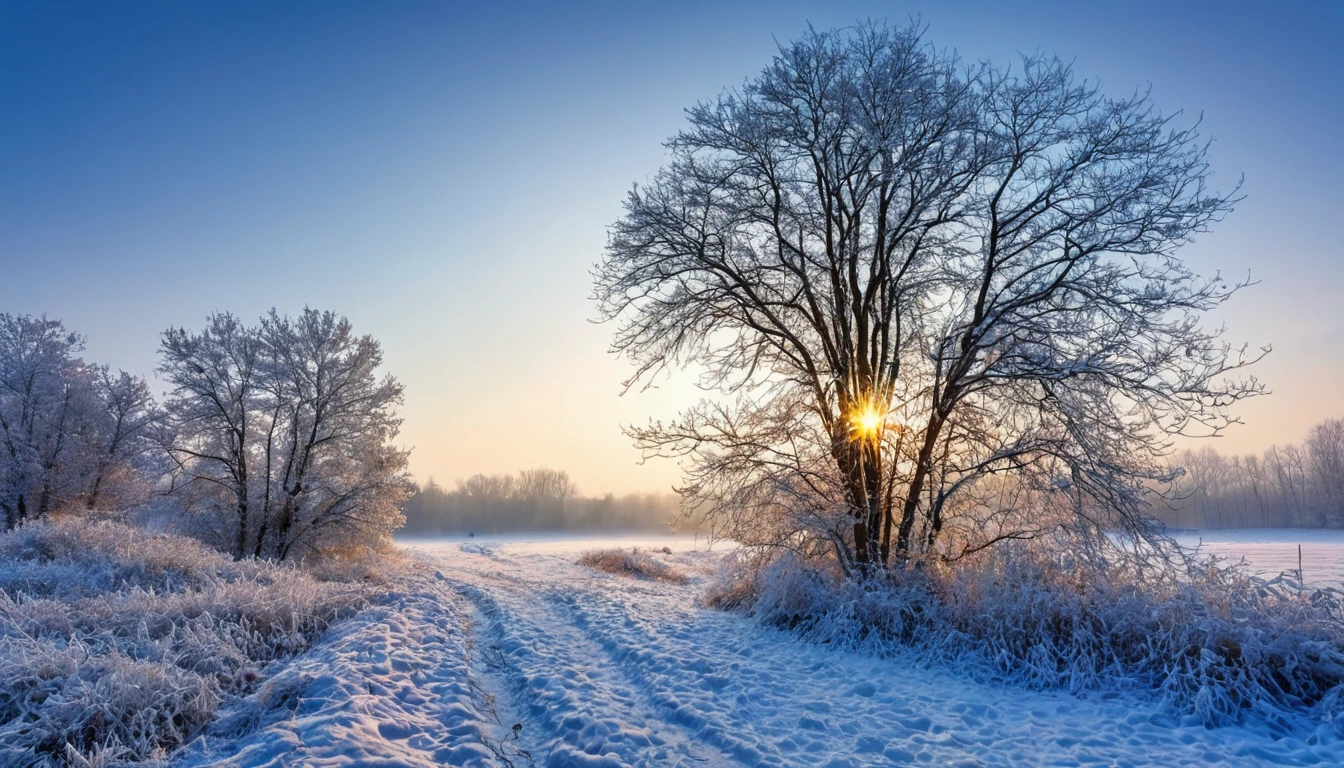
pixel 118 646
pixel 637 563
pixel 1212 643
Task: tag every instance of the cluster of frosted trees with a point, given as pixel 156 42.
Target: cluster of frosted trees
pixel 1287 486
pixel 72 434
pixel 534 499
pixel 274 439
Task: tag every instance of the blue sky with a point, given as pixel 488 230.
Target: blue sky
pixel 444 175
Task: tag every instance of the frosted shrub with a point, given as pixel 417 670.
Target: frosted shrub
pixel 1214 645
pixel 117 646
pixel 732 585
pixel 638 563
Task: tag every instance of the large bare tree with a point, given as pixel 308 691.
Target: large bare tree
pixel 941 302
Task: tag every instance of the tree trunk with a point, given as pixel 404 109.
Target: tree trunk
pixel 848 456
pixel 861 544
pixel 861 463
pixel 240 539
pixel 261 535
pixel 44 500
pixel 872 476
pixel 240 493
pixel 911 506
pixel 284 525
pixel 93 493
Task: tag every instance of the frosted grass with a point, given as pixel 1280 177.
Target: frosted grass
pixel 118 646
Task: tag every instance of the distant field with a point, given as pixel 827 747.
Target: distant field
pixel 1271 551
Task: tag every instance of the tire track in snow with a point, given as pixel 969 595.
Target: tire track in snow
pixel 706 671
pixel 388 687
pixel 577 705
pixel 666 675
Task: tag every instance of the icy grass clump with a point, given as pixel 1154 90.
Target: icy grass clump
pixel 1214 646
pixel 118 646
pixel 636 562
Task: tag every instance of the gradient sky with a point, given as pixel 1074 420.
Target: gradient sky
pixel 445 175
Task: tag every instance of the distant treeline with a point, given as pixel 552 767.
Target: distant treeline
pixel 534 499
pixel 1294 486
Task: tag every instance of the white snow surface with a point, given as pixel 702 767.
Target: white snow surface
pixel 1271 551
pixel 508 653
pixel 604 670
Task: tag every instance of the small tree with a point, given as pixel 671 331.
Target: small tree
pixel 330 470
pixel 211 414
pixel 123 461
pixel 946 299
pixel 37 391
pixel 284 430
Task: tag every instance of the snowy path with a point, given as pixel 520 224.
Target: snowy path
pixel 389 687
pixel 609 671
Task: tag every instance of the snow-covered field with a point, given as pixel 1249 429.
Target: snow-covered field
pixel 601 670
pixel 1269 552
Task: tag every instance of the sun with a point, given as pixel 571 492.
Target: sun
pixel 867 421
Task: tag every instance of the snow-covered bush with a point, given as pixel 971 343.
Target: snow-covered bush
pixel 117 645
pixel 636 562
pixel 1214 644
